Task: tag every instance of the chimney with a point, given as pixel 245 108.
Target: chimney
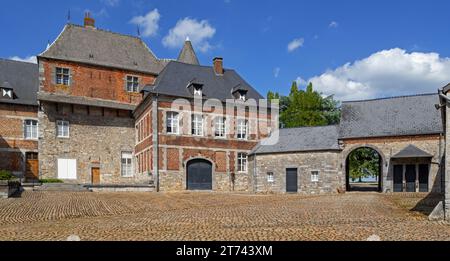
pixel 88 21
pixel 218 65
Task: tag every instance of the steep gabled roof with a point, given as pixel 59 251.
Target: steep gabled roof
pixel 176 76
pixel 23 78
pixel 103 48
pixel 187 54
pixel 396 116
pixel 301 140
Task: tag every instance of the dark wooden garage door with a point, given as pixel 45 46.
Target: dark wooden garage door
pixel 291 181
pixel 423 177
pixel 398 178
pixel 199 175
pixel 410 176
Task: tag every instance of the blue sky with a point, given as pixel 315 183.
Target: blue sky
pixel 351 48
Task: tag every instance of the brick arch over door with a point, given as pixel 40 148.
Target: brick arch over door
pixel 384 166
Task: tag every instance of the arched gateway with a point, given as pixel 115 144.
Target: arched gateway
pixel 199 175
pixel 364 169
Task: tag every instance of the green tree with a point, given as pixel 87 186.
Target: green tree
pixel 304 108
pixel 363 163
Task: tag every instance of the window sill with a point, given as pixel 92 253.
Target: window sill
pixel 32 139
pixel 65 138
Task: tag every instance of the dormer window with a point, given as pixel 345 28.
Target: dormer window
pixel 242 97
pixel 7 93
pixel 197 91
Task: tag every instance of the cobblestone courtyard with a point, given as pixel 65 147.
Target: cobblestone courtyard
pixel 212 216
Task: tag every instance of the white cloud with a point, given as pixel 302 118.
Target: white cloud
pixel 301 82
pixel 29 59
pixel 111 3
pixel 295 44
pixel 149 23
pixel 333 24
pixel 386 73
pixel 199 32
pixel 276 72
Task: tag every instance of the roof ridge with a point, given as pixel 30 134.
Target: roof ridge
pixel 309 127
pixel 15 61
pixel 392 97
pixel 199 65
pixel 106 31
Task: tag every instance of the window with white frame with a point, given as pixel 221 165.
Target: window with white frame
pixel 270 178
pixel 197 125
pixel 132 84
pixel 219 127
pixel 126 164
pixel 62 129
pixel 242 162
pixel 315 176
pixel 172 122
pixel 31 129
pixel 62 76
pixel 242 129
pixel 198 91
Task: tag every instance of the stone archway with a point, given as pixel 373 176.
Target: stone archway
pixel 361 155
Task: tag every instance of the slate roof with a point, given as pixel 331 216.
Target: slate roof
pixel 302 140
pixel 412 151
pixel 397 116
pixel 187 54
pixel 23 78
pixel 176 77
pixel 104 48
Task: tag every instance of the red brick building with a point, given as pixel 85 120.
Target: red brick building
pixel 18 118
pixel 196 126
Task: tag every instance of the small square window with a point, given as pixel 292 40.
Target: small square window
pixel 62 76
pixel 132 84
pixel 314 176
pixel 63 129
pixel 270 178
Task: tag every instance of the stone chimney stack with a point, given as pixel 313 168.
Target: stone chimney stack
pixel 89 22
pixel 218 65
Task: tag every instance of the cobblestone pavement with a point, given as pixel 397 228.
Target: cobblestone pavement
pixel 213 216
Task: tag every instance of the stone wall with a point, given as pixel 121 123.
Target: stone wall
pixel 95 141
pixel 326 163
pixel 13 145
pixel 389 146
pixel 447 161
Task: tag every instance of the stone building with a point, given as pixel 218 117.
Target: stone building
pixel 205 149
pixel 19 119
pixel 305 160
pixel 89 84
pixel 406 132
pixel 444 104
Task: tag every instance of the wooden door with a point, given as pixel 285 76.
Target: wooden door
pixel 32 163
pixel 291 180
pixel 95 176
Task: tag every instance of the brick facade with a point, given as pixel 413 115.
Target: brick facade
pixel 176 150
pixel 13 145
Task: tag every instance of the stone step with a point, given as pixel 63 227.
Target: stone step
pixel 62 187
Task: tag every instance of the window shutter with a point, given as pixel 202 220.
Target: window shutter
pixel 70 77
pixel 125 83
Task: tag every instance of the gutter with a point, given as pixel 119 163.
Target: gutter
pixel 155 125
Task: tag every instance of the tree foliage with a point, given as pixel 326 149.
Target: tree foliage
pixel 363 163
pixel 306 108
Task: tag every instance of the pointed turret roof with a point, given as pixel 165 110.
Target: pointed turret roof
pixel 187 54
